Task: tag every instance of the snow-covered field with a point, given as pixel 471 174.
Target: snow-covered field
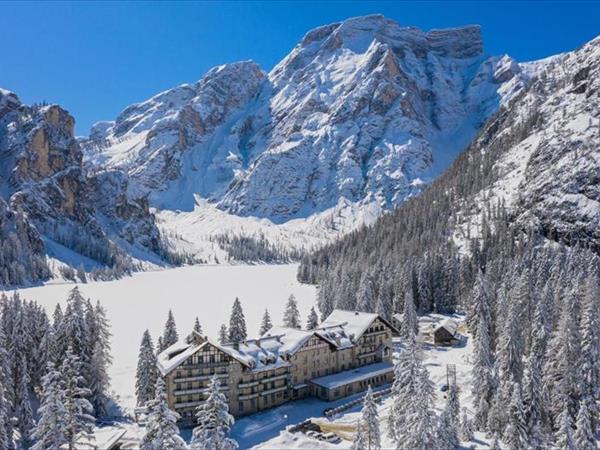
pixel 143 300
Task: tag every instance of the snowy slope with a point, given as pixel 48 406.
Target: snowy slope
pixel 363 111
pixel 549 165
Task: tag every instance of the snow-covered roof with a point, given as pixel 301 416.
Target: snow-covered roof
pixel 341 329
pixel 256 354
pixel 351 376
pixel 398 316
pixel 104 438
pixel 354 323
pixel 291 339
pixel 449 325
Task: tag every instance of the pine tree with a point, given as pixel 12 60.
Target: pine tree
pixel 214 422
pixel 313 320
pixel 147 372
pixel 5 424
pixel 366 294
pixel 161 426
pixel 223 335
pixel 291 315
pixel 590 346
pixel 449 423
pixel 411 422
pixel 482 371
pixel 23 413
pixel 237 323
pixel 325 300
pixel 359 440
pixel 515 434
pixel 50 431
pixel 197 327
pixel 584 437
pixel 564 435
pixel 370 422
pixel 170 335
pixel 385 300
pixel 265 324
pixel 466 427
pixel 100 361
pixel 410 325
pixel 78 408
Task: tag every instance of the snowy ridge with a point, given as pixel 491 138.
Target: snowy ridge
pixel 362 112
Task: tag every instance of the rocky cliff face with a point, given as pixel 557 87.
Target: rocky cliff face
pixel 45 187
pixel 360 110
pixel 549 170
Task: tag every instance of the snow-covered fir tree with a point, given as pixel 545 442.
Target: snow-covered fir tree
pixel 100 360
pixel 515 434
pixel 563 437
pixel 291 315
pixel 170 335
pixel 50 430
pixel 223 335
pixel 411 421
pixel 237 323
pixel 197 327
pixel 369 422
pixel 146 372
pixel 325 301
pixel 6 440
pixel 482 371
pixel 590 346
pixel 214 421
pixel 265 323
pixel 78 409
pixel 466 432
pixel 162 432
pixel 358 441
pixel 449 423
pixel 22 406
pixel 312 321
pixel 584 438
pixel 366 294
pixel 409 326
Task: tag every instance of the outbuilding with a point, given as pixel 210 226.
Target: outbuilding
pixel 446 333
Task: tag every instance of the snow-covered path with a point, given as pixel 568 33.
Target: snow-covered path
pixel 143 300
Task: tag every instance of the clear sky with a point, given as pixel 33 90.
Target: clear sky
pixel 97 58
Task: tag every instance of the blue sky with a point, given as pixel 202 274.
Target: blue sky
pixel 97 58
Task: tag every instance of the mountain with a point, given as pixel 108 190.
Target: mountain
pixel 56 208
pixel 356 118
pixel 525 187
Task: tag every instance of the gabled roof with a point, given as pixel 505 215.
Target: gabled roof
pixel 354 323
pixel 291 339
pixel 449 325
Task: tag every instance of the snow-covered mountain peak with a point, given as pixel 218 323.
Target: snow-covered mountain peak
pixel 361 110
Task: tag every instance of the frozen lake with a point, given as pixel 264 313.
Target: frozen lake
pixel 143 300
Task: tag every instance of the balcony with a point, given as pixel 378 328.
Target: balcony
pixel 200 377
pixel 274 390
pixel 278 377
pixel 201 365
pixel 248 396
pixel 201 390
pixel 247 384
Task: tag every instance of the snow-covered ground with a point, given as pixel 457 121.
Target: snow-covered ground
pixel 143 300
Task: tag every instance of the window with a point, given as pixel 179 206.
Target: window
pixel 241 406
